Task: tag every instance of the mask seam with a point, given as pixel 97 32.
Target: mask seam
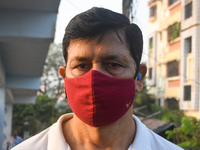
pixel 93 98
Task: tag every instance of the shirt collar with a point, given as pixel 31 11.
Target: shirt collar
pixel 142 136
pixel 56 138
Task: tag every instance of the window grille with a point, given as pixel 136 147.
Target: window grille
pixel 188 10
pixel 172 2
pixel 187 93
pixel 153 11
pixel 150 73
pixel 172 68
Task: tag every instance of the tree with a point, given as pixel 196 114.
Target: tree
pixel 130 8
pixel 144 101
pixel 188 135
pixel 52 82
pixel 35 117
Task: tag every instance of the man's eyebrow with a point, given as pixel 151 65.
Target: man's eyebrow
pixel 115 57
pixel 106 57
pixel 81 58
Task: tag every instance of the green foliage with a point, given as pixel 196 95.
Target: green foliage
pixel 188 135
pixel 23 113
pixel 150 44
pixel 52 82
pixel 143 103
pixel 35 117
pixel 143 98
pixel 187 127
pixel 174 116
pixel 156 108
pixel 174 31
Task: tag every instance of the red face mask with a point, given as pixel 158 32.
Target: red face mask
pixel 98 99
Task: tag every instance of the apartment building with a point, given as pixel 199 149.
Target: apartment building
pixel 190 49
pixel 173 62
pixel 164 51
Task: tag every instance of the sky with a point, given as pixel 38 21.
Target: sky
pixel 69 8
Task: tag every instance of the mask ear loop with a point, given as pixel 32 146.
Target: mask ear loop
pixel 139 76
pixel 137 71
pixel 65 94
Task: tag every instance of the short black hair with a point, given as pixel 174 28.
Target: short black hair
pixel 98 21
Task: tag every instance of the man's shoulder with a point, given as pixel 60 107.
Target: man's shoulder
pixel 51 138
pixel 158 142
pixel 152 140
pixel 19 138
pixel 39 141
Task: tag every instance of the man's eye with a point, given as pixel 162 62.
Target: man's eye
pixel 83 66
pixel 113 65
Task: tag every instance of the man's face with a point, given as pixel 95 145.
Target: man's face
pixel 110 57
pixel 15 133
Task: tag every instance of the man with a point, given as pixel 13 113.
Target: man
pixel 14 140
pixel 102 52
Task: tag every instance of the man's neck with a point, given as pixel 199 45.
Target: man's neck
pixel 14 136
pixel 118 135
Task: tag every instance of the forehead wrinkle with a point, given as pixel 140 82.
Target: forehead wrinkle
pixel 114 57
pixel 80 59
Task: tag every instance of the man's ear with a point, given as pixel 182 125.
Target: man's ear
pixel 62 71
pixel 139 83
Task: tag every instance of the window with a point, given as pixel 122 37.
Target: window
pixel 153 11
pixel 172 68
pixel 188 45
pixel 150 43
pixel 159 102
pixel 172 2
pixel 188 10
pixel 150 73
pixel 174 31
pixel 188 57
pixel 187 93
pixel 171 103
pixel 161 35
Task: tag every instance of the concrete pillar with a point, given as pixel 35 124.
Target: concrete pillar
pixel 2 101
pixel 2 107
pixel 7 123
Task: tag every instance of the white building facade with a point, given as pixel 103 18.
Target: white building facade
pixel 164 50
pixel 26 31
pixel 174 47
pixel 190 49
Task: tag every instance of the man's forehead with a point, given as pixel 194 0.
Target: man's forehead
pixel 110 35
pixel 109 47
pixel 80 51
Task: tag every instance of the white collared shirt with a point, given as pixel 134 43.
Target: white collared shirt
pixel 53 139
